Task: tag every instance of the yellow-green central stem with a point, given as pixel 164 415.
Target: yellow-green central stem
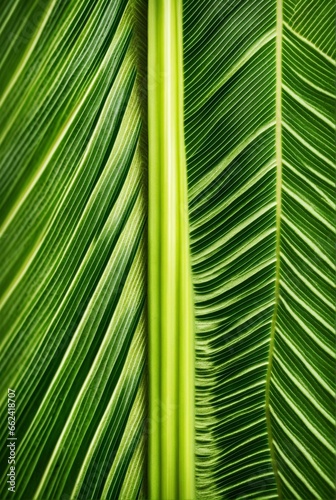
pixel 171 313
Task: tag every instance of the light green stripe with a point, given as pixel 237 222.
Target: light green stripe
pixel 171 315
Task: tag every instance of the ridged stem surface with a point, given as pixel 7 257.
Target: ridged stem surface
pixel 171 316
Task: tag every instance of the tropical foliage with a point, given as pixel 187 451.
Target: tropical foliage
pixel 259 123
pixel 72 269
pixel 214 377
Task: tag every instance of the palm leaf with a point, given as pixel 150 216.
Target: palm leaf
pixel 259 133
pixel 230 128
pixel 72 272
pixel 302 404
pixel 240 252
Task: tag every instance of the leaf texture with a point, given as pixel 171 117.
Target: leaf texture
pixel 229 53
pixel 303 381
pixel 259 134
pixel 259 127
pixel 72 240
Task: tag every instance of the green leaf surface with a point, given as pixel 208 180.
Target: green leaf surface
pixel 240 253
pixel 302 403
pixel 259 130
pixel 72 240
pixel 230 85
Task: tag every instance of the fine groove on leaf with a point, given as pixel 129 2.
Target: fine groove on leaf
pixel 73 273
